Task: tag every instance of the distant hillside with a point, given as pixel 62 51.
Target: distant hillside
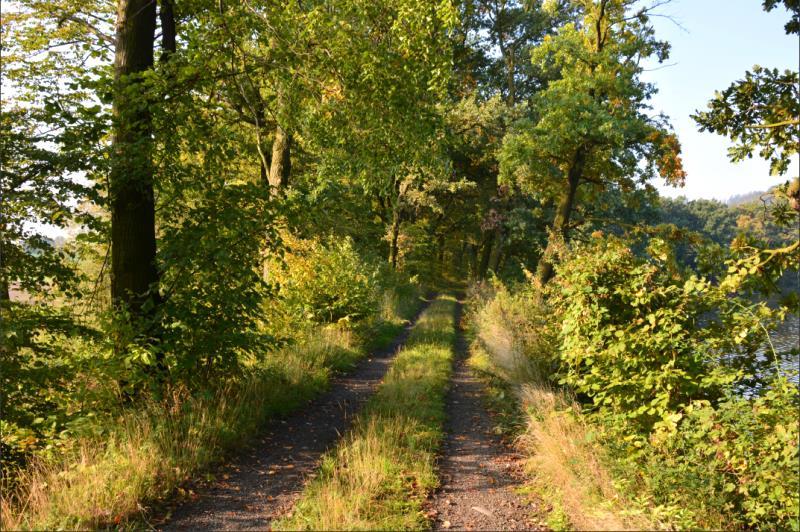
pixel 748 197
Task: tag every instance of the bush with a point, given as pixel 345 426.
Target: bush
pixel 49 383
pixel 327 281
pixel 735 463
pixel 643 340
pixel 668 364
pixel 211 317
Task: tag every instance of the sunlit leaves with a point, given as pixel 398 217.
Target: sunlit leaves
pixel 761 114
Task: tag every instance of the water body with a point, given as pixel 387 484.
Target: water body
pixel 787 338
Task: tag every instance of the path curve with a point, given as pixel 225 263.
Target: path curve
pixel 478 471
pixel 264 483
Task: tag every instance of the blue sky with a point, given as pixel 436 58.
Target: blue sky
pixel 717 41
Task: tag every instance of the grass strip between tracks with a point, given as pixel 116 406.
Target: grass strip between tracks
pixel 381 472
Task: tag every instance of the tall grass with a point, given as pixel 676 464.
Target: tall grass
pixel 513 344
pixel 380 474
pixel 152 450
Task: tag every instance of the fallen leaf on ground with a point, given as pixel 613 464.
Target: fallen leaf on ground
pixel 483 511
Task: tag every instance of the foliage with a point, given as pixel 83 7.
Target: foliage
pixel 568 466
pixel 514 325
pixel 326 281
pixel 44 352
pixel 793 26
pixel 453 138
pixel 111 477
pixel 596 106
pixel 37 187
pixel 211 253
pixel 664 359
pixel 759 113
pixel 643 341
pixel 736 462
pixel 590 124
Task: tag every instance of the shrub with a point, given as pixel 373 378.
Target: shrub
pixel 642 340
pixel 326 281
pixel 668 364
pixel 736 463
pixel 48 383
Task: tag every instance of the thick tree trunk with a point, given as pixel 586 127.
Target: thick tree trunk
pixel 134 277
pixel 544 270
pixel 281 164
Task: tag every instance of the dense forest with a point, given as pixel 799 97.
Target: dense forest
pixel 211 213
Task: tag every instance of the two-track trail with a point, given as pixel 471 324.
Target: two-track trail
pixel 478 472
pixel 264 484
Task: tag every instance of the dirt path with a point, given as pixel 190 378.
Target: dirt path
pixel 264 483
pixel 478 472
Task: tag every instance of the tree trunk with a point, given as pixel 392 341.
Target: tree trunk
pixel 458 262
pixel 497 249
pixel 511 97
pixel 486 251
pixel 166 14
pixel 134 277
pixel 281 164
pixel 473 261
pixel 395 232
pixel 544 270
pixel 5 288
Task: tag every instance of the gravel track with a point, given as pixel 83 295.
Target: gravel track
pixel 478 471
pixel 264 483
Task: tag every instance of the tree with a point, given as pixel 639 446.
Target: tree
pixel 52 133
pixel 134 276
pixel 36 188
pixel 591 125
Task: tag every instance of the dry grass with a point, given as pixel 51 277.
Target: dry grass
pixel 382 471
pixel 567 464
pixel 107 480
pixel 514 342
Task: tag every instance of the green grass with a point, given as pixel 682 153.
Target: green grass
pixel 383 470
pixel 149 452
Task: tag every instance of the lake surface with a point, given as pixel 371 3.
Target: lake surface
pixel 787 337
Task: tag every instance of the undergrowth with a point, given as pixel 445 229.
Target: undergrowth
pixel 512 353
pixel 149 451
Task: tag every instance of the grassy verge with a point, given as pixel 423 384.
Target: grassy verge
pixel 566 465
pixel 499 395
pixel 383 470
pixel 109 479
